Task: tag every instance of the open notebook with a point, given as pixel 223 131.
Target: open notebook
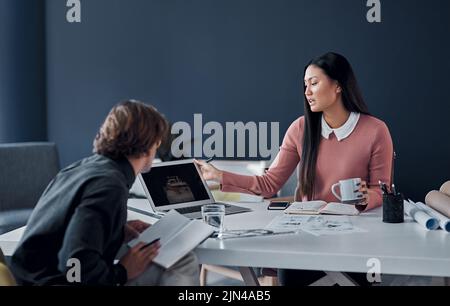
pixel 321 207
pixel 178 235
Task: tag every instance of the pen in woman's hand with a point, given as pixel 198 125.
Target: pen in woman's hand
pixel 209 172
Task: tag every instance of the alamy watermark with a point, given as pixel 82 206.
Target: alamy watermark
pixel 73 14
pixel 73 274
pixel 374 13
pixel 374 273
pixel 224 141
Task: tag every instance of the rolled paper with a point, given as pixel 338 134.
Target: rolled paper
pixel 446 188
pixel 420 216
pixel 439 201
pixel 444 222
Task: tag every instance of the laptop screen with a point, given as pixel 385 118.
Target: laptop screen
pixel 174 184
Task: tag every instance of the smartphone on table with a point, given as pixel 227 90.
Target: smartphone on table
pixel 278 205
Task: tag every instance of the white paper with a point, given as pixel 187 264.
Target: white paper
pixel 178 235
pixel 287 223
pixel 444 222
pixel 420 216
pixel 311 207
pixel 315 225
pixel 330 225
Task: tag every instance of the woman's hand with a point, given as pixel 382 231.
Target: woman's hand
pixel 365 199
pixel 209 172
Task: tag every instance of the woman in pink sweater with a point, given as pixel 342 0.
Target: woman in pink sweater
pixel 336 139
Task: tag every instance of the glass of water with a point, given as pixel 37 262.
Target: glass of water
pixel 213 214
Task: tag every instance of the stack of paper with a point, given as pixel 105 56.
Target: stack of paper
pixel 315 225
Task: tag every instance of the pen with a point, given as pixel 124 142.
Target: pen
pixel 209 160
pixel 150 243
pixel 383 187
pixel 393 190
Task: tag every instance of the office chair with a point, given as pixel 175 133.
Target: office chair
pixel 27 168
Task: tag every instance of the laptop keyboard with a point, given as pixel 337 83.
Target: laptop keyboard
pixel 228 209
pixel 187 210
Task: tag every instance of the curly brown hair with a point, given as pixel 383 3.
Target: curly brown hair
pixel 130 130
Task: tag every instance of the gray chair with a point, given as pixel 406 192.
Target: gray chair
pixel 25 171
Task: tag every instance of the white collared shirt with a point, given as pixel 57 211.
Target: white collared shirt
pixel 342 132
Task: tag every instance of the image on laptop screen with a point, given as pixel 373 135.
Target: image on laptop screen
pixel 174 184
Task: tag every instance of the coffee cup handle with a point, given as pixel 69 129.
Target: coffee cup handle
pixel 334 191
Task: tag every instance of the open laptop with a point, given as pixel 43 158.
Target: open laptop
pixel 179 185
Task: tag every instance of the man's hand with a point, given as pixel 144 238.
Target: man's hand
pixel 133 229
pixel 138 225
pixel 138 258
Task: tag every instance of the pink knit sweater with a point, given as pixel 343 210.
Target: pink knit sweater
pixel 366 153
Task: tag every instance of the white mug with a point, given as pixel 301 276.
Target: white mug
pixel 349 191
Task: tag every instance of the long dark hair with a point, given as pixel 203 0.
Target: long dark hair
pixel 339 69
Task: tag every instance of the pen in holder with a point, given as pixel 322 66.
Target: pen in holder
pixel 393 211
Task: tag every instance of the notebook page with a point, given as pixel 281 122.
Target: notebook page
pixel 183 242
pixel 310 207
pixel 164 229
pixel 334 208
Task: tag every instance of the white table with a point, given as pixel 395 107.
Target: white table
pixel 402 249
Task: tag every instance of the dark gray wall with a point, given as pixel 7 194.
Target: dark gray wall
pixel 22 71
pixel 241 60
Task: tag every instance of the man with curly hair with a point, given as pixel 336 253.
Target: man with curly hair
pixel 82 215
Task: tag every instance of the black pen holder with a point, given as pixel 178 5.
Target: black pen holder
pixel 393 211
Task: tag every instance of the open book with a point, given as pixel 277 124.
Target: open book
pixel 321 207
pixel 178 236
